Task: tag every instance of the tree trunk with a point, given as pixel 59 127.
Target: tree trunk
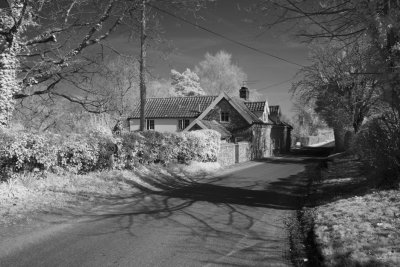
pixel 8 83
pixel 339 134
pixel 143 68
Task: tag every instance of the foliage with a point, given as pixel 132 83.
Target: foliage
pixel 117 86
pixel 49 39
pixel 378 143
pixel 186 83
pixel 200 146
pixel 219 74
pixel 57 115
pixel 342 94
pixel 27 151
pixel 347 22
pixel 80 153
pixel 306 121
pixel 155 147
pixel 55 48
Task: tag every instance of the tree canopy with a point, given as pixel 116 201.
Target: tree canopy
pixel 186 83
pixel 50 48
pixel 219 74
pixel 342 95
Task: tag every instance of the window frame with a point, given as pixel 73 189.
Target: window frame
pixel 149 124
pixel 224 116
pixel 183 123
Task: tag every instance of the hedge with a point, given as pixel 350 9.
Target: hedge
pixel 378 144
pixel 79 153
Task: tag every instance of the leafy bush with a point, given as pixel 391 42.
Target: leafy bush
pixel 107 147
pixel 378 143
pixel 80 153
pixel 26 151
pixel 156 147
pixel 200 146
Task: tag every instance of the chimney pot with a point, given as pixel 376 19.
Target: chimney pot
pixel 244 93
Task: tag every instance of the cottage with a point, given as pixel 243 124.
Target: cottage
pixel 235 118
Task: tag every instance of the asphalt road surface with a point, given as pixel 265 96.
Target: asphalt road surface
pixel 237 219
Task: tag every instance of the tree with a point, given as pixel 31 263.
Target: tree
pixel 117 87
pixel 186 83
pixel 44 43
pixel 51 47
pixel 305 121
pixel 219 74
pixel 342 99
pixel 348 21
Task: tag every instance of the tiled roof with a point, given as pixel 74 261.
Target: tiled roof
pixel 192 107
pixel 214 125
pixel 255 106
pixel 260 105
pixel 174 107
pixel 245 111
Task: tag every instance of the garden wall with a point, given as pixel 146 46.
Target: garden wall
pixel 230 153
pixel 311 140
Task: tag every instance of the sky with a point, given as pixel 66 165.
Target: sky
pixel 269 76
pixel 272 77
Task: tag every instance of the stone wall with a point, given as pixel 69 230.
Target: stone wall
pixel 231 153
pixel 244 152
pixel 261 142
pixel 311 140
pixel 226 155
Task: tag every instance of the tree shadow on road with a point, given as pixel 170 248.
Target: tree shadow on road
pixel 284 194
pixel 229 220
pixel 171 195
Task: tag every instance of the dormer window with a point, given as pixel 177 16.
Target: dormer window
pixel 224 116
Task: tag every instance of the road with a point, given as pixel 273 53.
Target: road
pixel 236 219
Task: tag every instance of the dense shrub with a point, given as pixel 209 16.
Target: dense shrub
pixel 26 151
pixel 378 144
pixel 155 147
pixel 200 146
pixel 107 148
pixel 78 153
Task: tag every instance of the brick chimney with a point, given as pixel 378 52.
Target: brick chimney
pixel 244 93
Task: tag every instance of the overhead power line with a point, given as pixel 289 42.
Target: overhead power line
pixel 276 84
pixel 225 37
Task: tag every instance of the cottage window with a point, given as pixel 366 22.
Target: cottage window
pixel 182 124
pixel 150 124
pixel 225 116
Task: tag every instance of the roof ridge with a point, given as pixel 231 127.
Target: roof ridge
pixel 180 97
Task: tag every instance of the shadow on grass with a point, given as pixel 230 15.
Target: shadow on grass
pixel 347 180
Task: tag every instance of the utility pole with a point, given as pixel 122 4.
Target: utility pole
pixel 143 68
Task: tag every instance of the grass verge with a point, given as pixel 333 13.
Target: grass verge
pixel 355 224
pixel 28 194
